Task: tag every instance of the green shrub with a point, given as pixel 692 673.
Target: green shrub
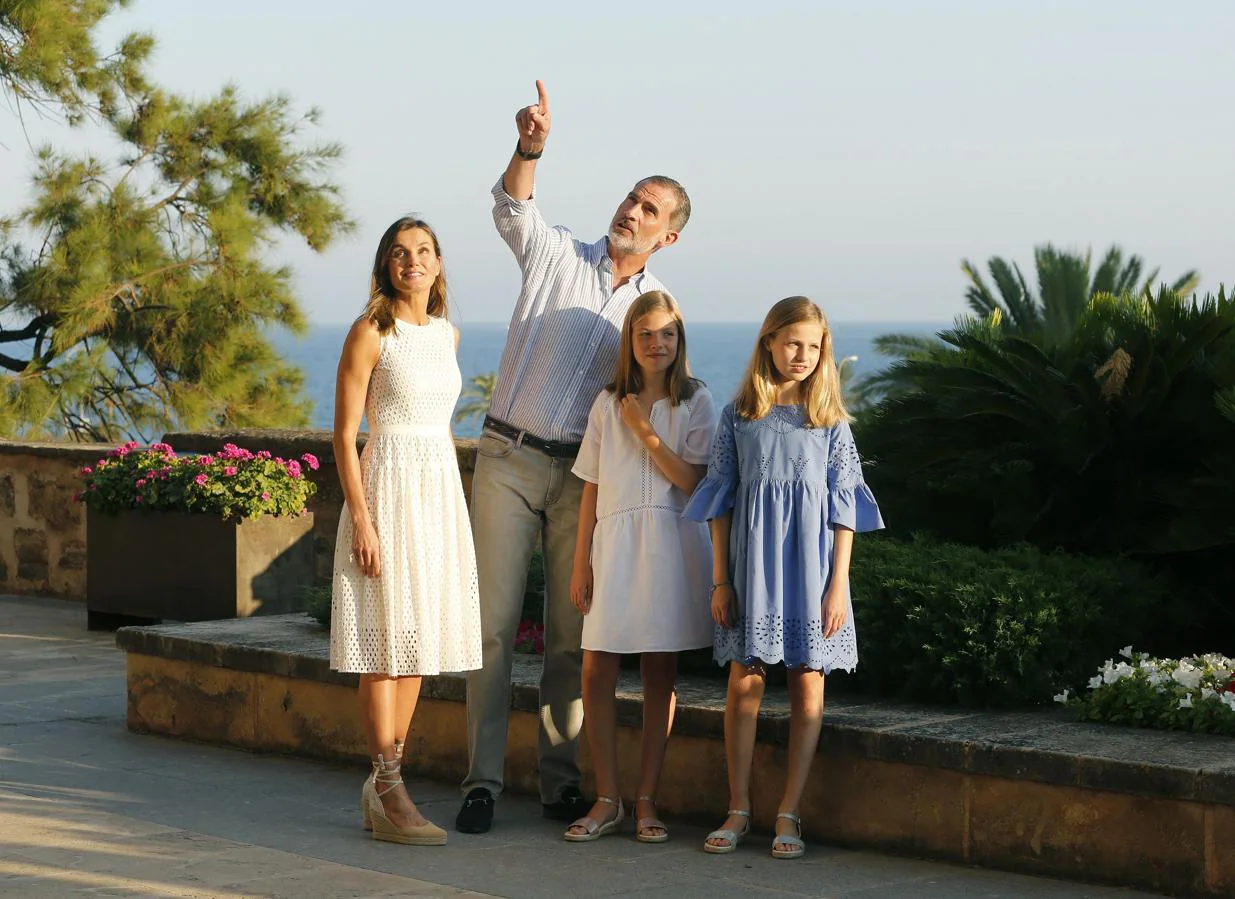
pixel 534 590
pixel 946 623
pixel 1114 438
pixel 1195 694
pixel 317 604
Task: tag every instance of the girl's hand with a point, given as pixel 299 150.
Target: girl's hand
pixel 835 609
pixel 636 416
pixel 581 589
pixel 364 550
pixel 724 601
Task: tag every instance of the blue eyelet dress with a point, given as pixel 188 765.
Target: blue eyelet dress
pixel 787 486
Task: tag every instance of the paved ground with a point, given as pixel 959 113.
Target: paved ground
pixel 88 809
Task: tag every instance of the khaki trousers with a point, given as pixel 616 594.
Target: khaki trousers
pixel 519 494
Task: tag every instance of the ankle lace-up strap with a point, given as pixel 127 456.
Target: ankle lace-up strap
pixel 388 773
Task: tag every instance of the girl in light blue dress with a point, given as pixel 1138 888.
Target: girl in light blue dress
pixel 783 496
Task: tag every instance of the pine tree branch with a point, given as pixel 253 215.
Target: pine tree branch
pixel 34 329
pixel 13 364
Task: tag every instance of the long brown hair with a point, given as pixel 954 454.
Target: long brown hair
pixel 821 396
pixel 380 307
pixel 629 377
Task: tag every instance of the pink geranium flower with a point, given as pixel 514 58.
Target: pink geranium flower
pixel 234 482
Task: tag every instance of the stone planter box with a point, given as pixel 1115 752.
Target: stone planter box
pixel 146 567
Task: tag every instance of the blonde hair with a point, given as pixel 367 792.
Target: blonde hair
pixel 629 377
pixel 821 396
pixel 380 307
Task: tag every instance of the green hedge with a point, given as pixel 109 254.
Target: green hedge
pixel 317 604
pixel 954 624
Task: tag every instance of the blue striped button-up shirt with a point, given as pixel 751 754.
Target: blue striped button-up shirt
pixel 562 344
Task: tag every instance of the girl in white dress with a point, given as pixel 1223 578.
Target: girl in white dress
pixel 405 596
pixel 641 573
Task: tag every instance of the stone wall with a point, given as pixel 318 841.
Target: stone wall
pixel 43 532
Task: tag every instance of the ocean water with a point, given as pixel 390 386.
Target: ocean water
pixel 718 355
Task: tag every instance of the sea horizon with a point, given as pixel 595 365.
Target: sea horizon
pixel 718 354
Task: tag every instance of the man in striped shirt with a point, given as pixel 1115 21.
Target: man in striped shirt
pixel 561 350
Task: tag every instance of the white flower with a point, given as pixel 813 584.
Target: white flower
pixel 1095 682
pixel 1126 652
pixel 1185 703
pixel 1062 697
pixel 1206 692
pixel 1118 673
pixel 1186 675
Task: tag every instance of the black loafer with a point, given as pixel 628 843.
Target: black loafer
pixel 570 806
pixel 476 815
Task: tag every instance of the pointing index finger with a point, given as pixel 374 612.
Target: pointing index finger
pixel 542 98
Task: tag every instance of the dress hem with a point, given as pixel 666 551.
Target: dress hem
pixel 351 669
pixel 633 652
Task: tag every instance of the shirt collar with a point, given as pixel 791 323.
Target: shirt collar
pixel 605 264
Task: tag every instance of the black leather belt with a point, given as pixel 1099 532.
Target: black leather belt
pixel 522 438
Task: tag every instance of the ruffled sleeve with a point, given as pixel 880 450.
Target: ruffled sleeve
pixel 715 494
pixel 851 503
pixel 587 463
pixel 701 429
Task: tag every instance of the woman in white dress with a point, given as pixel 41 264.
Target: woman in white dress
pixel 405 595
pixel 642 572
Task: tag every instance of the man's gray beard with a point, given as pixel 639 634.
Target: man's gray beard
pixel 626 245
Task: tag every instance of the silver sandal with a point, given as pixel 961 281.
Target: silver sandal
pixel 593 829
pixel 731 837
pixel 797 847
pixel 649 823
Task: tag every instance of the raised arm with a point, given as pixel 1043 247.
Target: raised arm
pixel 533 125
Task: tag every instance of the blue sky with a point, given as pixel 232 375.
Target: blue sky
pixel 853 152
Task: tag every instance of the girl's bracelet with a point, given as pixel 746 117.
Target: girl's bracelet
pixel 714 587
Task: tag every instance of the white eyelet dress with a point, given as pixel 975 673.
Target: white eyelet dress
pixel 422 614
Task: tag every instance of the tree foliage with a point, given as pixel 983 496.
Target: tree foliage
pixel 1116 441
pixel 143 295
pixel 477 396
pixel 49 62
pixel 1066 287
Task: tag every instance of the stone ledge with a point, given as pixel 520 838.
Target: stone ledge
pixel 1041 746
pixel 83 453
